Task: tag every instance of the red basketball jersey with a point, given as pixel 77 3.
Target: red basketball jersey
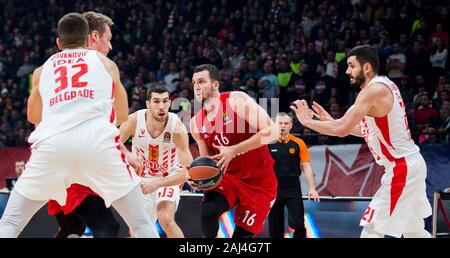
pixel 229 129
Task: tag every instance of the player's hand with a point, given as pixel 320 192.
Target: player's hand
pixel 227 153
pixel 150 187
pixel 314 195
pixel 302 111
pixel 320 112
pixel 136 164
pixel 191 183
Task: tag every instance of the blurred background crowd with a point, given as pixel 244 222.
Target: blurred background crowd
pixel 270 49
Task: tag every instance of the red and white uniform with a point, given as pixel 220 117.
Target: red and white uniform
pixel 76 141
pixel 249 183
pixel 400 205
pixel 159 159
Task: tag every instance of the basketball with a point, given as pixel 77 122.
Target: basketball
pixel 205 173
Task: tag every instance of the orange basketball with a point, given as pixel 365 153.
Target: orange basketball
pixel 205 173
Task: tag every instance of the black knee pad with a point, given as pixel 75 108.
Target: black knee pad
pixel 213 205
pixel 210 211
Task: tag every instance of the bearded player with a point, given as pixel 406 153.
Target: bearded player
pixel 378 114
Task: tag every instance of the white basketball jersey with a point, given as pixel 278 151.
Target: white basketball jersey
pixel 74 87
pixel 389 137
pixel 157 154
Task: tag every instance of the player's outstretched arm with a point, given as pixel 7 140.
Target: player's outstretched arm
pixel 34 106
pixel 345 125
pixel 321 114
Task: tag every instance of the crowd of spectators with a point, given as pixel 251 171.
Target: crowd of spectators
pixel 281 48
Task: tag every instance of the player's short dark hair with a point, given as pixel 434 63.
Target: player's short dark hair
pixel 159 87
pixel 73 29
pixel 212 69
pixel 366 54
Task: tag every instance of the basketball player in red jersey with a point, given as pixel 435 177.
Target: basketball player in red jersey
pixel 234 130
pixel 400 205
pixel 83 206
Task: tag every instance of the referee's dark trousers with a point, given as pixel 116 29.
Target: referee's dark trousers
pixel 289 196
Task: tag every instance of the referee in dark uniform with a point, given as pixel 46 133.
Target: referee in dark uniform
pixel 291 157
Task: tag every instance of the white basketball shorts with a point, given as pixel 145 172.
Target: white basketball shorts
pixel 87 154
pixel 400 204
pixel 169 193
